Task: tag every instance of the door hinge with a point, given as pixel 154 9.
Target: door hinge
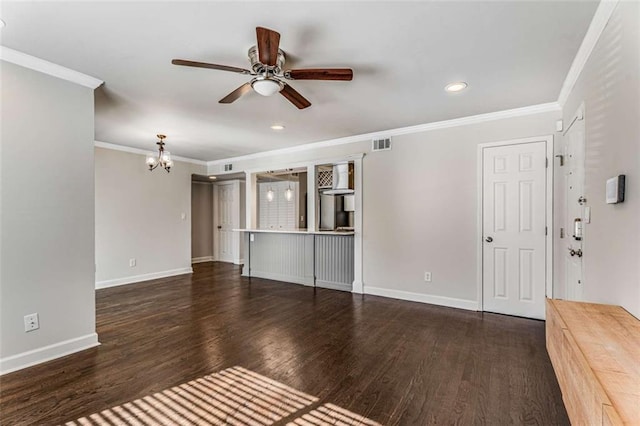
pixel 546 163
pixel 545 230
pixel 561 232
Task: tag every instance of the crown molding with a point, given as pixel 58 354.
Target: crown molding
pixel 46 67
pixel 114 147
pixel 464 121
pixel 598 23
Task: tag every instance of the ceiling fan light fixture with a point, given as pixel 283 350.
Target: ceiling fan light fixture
pixel 456 87
pixel 266 87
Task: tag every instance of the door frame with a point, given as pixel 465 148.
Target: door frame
pixel 577 116
pixel 548 139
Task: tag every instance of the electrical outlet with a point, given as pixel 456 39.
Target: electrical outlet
pixel 427 277
pixel 132 262
pixel 31 322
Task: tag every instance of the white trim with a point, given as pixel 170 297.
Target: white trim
pixel 451 302
pixel 115 147
pixel 578 115
pixel 294 279
pixel 332 285
pixel 201 259
pixel 463 121
pixel 358 251
pixel 238 261
pixel 47 353
pixel 144 277
pixel 548 140
pixel 307 163
pixel 597 26
pixel 46 67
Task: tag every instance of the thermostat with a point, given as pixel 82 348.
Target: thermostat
pixel 615 189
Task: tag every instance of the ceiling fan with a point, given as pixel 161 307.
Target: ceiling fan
pixel 267 62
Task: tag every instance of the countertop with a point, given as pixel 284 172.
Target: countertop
pixel 295 231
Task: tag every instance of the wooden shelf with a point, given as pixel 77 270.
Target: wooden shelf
pixel 595 352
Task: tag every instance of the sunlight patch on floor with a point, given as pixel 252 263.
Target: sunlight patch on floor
pixel 235 396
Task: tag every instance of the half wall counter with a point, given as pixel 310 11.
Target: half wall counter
pixel 321 259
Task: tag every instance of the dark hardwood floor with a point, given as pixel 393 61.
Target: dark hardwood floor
pixel 396 362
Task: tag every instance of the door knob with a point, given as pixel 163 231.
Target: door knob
pixel 489 239
pixel 572 252
pixel 219 226
pixel 579 253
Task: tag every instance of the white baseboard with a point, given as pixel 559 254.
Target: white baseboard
pixel 201 259
pixel 143 277
pixel 281 277
pixel 47 353
pixel 451 302
pixel 333 285
pixel 238 261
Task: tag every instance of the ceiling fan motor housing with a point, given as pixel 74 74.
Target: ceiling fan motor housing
pixel 260 68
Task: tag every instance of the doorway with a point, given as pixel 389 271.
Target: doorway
pixel 515 205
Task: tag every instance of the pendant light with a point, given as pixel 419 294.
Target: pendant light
pixel 270 194
pixel 162 159
pixel 288 193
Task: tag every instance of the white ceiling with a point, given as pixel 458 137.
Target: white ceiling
pixel 512 54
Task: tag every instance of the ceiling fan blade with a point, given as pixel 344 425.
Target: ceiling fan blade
pixel 268 42
pixel 233 96
pixel 210 66
pixel 345 74
pixel 294 97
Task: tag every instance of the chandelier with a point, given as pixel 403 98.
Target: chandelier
pixel 162 159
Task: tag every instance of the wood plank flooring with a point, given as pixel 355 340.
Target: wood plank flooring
pixel 396 362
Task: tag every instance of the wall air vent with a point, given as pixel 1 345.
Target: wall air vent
pixel 382 144
pixel 228 167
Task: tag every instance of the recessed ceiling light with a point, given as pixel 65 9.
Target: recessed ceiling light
pixel 212 177
pixel 277 127
pixel 456 87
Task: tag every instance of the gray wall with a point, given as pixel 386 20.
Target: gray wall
pixel 420 203
pixel 201 220
pixel 139 215
pixel 47 219
pixel 609 86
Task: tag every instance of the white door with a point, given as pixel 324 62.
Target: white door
pixel 574 201
pixel 514 229
pixel 225 221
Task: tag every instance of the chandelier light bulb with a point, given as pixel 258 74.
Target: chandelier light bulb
pixel 288 194
pixel 270 195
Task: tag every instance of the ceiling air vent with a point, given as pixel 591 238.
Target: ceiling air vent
pixel 228 167
pixel 383 144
